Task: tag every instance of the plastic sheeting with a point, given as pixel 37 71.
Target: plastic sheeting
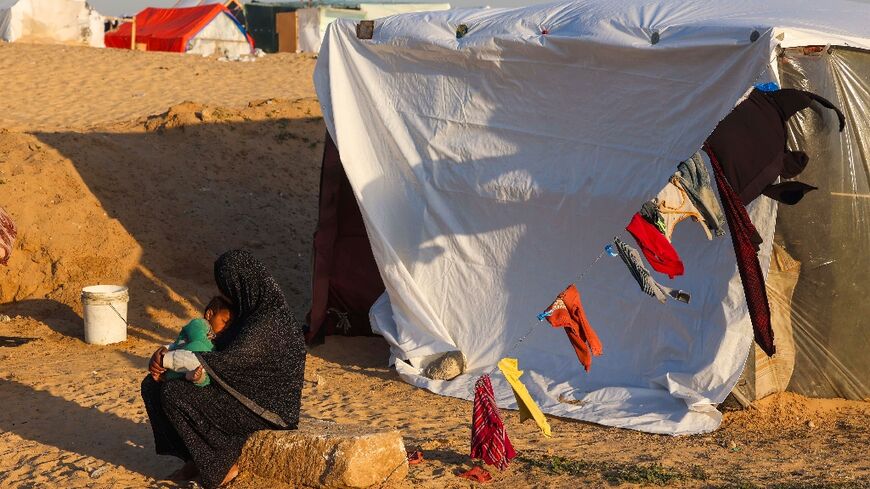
pixel 829 231
pixel 308 27
pixel 492 169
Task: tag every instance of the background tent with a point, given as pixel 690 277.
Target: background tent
pixel 312 22
pixel 53 21
pixel 204 30
pixel 236 7
pixel 492 167
pixel 299 26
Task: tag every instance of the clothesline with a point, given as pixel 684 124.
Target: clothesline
pixel 541 318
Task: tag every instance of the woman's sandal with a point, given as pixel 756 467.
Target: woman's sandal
pixel 231 474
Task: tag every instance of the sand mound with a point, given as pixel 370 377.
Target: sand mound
pixel 179 184
pixel 788 411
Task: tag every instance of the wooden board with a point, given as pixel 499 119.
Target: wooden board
pixel 285 26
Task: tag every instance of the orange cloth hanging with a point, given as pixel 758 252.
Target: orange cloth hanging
pixel 567 312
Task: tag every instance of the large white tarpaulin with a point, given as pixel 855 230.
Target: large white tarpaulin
pixel 491 170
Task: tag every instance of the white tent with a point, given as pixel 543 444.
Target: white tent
pixel 491 169
pixel 53 21
pixel 312 22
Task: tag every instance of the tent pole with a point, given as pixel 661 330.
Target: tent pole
pixel 133 36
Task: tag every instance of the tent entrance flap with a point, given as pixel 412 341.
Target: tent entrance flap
pixel 346 281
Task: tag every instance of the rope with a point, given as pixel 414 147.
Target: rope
pixel 343 321
pixel 543 315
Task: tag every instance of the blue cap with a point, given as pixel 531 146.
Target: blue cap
pixel 767 87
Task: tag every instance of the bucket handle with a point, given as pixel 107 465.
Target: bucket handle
pixel 119 314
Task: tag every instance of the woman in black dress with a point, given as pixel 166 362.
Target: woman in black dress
pixel 256 370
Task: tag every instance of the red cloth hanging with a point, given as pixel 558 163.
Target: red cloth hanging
pixel 659 252
pixel 567 312
pixel 489 440
pixel 744 237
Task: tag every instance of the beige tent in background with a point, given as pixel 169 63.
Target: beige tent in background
pixel 312 22
pixel 50 21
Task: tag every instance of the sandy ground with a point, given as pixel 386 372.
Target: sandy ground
pixel 51 86
pixel 113 187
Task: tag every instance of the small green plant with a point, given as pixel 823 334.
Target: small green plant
pixel 613 472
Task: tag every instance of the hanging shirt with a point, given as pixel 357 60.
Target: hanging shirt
pixel 695 180
pixel 567 312
pixel 528 408
pixel 750 144
pixel 648 285
pixel 655 246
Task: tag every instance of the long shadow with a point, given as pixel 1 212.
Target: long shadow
pixel 64 320
pixel 186 192
pixel 39 416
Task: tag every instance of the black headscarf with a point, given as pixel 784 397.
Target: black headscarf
pixel 262 355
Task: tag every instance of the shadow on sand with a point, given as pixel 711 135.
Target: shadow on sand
pixel 190 192
pixel 39 416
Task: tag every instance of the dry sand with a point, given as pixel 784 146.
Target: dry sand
pixel 113 187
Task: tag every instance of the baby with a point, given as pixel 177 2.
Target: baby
pixel 196 336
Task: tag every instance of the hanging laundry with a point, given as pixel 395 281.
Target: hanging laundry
pixel 789 193
pixel 745 240
pixel 750 144
pixel 658 251
pixel 489 440
pixel 567 312
pixel 528 408
pixel 8 233
pixel 676 206
pixel 634 262
pixel 695 181
pixel 650 211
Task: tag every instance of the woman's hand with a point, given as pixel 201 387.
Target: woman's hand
pixel 195 376
pixel 155 365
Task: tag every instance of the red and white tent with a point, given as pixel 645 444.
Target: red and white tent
pixel 206 30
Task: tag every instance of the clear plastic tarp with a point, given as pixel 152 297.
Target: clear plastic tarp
pixel 819 271
pixel 829 231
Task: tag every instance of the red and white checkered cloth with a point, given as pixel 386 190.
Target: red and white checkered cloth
pixel 7 236
pixel 489 440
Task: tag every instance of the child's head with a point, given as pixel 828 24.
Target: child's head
pixel 218 313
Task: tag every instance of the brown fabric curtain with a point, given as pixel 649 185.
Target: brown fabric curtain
pixel 345 278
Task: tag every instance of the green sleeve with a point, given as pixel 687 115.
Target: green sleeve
pixel 206 380
pixel 197 336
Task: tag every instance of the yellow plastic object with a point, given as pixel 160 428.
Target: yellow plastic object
pixel 528 408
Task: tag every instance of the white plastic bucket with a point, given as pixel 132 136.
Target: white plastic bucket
pixel 105 313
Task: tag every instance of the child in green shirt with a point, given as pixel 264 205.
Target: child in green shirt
pixel 197 336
